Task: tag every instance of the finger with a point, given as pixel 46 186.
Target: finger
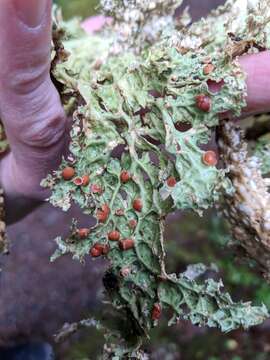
pixel 94 23
pixel 30 106
pixel 257 68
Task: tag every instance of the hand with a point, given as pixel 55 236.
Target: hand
pixel 30 106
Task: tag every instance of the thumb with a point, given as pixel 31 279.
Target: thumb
pixel 29 104
pixel 257 68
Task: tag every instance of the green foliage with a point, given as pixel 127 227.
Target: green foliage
pixel 138 100
pixel 82 8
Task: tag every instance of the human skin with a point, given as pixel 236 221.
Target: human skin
pixel 34 292
pixel 30 107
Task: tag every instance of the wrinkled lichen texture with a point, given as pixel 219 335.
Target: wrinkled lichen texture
pixel 140 97
pixel 138 24
pixel 248 210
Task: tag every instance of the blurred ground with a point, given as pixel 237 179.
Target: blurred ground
pixel 38 297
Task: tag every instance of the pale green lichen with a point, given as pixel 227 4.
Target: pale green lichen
pixel 139 100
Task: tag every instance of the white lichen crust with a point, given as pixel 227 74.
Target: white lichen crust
pixel 248 209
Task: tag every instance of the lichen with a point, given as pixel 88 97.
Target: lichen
pixel 248 210
pixel 143 112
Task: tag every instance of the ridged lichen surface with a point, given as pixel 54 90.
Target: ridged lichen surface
pixel 144 108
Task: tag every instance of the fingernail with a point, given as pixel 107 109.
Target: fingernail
pixel 30 12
